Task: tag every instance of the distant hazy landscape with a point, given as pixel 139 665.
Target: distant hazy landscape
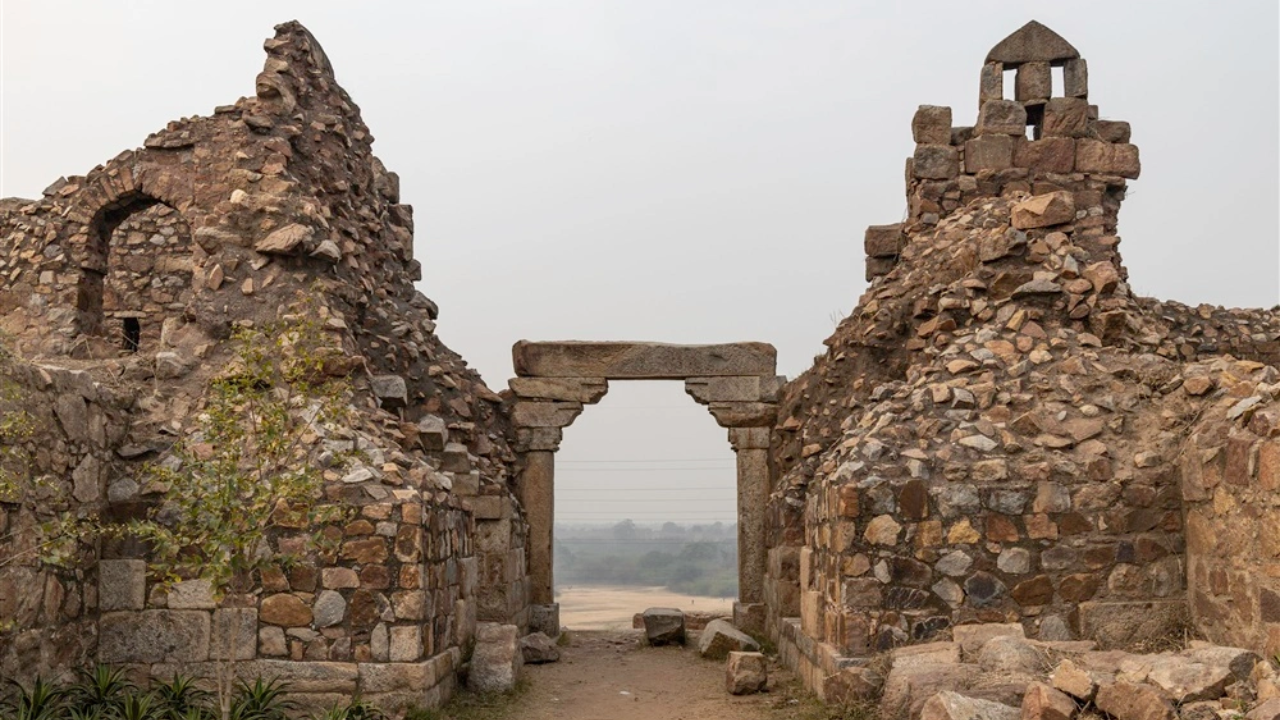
pixel 700 560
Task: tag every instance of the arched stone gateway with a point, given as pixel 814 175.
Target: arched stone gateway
pixel 737 382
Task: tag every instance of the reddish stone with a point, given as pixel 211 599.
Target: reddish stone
pixel 285 610
pixel 848 506
pixel 1000 528
pixel 365 550
pixel 1036 591
pixel 358 527
pixel 303 577
pixel 913 500
pixel 363 611
pixel 1079 588
pixel 375 577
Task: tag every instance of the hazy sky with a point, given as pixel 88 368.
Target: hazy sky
pixel 674 171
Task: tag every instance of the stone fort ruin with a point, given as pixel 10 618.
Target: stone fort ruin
pixel 1000 433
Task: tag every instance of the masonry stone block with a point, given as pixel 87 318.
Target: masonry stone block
pixel 1032 82
pixel 884 240
pixel 991 83
pixel 989 152
pixel 1001 117
pixel 545 414
pixel 743 414
pixel 154 636
pixel 936 162
pixel 1094 156
pixel 538 438
pixel 1075 78
pixel 233 634
pixel 1048 155
pixel 1066 117
pixel 734 389
pixel 931 125
pixel 497 661
pixel 579 390
pixel 122 584
pixel 641 361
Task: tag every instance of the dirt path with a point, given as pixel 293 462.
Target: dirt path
pixel 608 675
pixel 611 607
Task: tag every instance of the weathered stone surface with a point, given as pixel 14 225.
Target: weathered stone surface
pixel 1185 681
pixel 286 610
pixel 743 414
pixel 391 390
pixel 1032 42
pixel 1093 156
pixel 545 414
pixel 578 390
pixel 1066 117
pixel 1042 702
pixel 497 660
pixel 234 634
pixel 536 649
pixel 949 705
pixel 989 152
pixel 1130 701
pixel 719 638
pixel 883 240
pixel 664 626
pixel 1032 81
pixel 1073 680
pixel 852 684
pixel 122 584
pixel 154 636
pixel 1075 78
pixel 284 241
pixel 642 361
pixel 1044 210
pixel 936 162
pixel 907 688
pixel 971 638
pixel 750 389
pixel 1007 654
pixel 1047 155
pixel 191 595
pixel 1000 117
pixel 746 673
pixel 1268 710
pixel 1119 624
pixel 329 608
pixel 931 125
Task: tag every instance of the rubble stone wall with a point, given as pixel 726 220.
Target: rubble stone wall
pixel 226 222
pixel 1230 476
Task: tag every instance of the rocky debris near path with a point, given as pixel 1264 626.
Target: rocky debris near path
pixel 497 659
pixel 746 673
pixel 694 621
pixel 536 649
pixel 1054 680
pixel 720 637
pixel 663 626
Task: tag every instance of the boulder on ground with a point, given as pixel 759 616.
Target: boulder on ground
pixel 1044 703
pixel 1185 680
pixel 1007 654
pixel 1074 681
pixel 852 684
pixel 908 687
pixel 1132 701
pixel 536 648
pixel 972 637
pixel 745 673
pixel 1269 710
pixel 496 662
pixel 663 626
pixel 720 637
pixel 948 705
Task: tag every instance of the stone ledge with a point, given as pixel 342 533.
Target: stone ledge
pixel 640 360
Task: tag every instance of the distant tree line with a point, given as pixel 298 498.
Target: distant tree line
pixel 694 560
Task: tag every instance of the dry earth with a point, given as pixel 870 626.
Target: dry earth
pixel 611 675
pixel 610 607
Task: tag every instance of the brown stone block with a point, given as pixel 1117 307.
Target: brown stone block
pixel 884 240
pixel 1049 155
pixel 1001 117
pixel 1033 592
pixel 1066 117
pixel 641 361
pixel 931 125
pixel 936 162
pixel 1044 211
pixel 991 83
pixel 1032 81
pixel 988 152
pixel 1075 78
pixel 1112 131
pixel 1269 465
pixel 1094 156
pixel 877 267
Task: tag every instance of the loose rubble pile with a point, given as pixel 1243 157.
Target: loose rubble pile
pixel 1000 432
pixel 992 671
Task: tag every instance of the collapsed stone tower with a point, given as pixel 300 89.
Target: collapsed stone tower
pixel 1000 432
pixel 119 290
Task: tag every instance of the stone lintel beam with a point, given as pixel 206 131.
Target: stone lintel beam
pixel 751 388
pixel 744 414
pixel 546 414
pixel 641 361
pixel 582 390
pixel 749 438
pixel 538 438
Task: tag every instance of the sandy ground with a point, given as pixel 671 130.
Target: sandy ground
pixel 612 676
pixel 604 607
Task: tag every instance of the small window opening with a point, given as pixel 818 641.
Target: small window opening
pixel 1035 121
pixel 132 334
pixel 1008 89
pixel 1057 81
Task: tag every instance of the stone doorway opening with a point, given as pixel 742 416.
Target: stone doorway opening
pixel 645 509
pixel 556 380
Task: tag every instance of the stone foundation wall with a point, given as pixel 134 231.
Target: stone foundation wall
pixel 1230 475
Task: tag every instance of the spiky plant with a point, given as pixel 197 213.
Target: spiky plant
pixel 44 701
pixel 181 699
pixel 102 688
pixel 263 700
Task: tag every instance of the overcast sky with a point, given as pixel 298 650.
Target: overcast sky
pixel 674 171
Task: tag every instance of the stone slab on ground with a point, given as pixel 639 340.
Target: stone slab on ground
pixel 719 638
pixel 949 705
pixel 536 648
pixel 663 626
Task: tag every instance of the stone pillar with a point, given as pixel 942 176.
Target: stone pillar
pixel 751 445
pixel 537 495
